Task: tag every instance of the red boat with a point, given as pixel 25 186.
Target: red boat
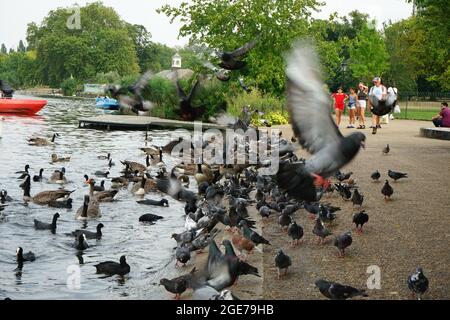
pixel 21 106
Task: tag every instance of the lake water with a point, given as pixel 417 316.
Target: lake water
pixel 149 249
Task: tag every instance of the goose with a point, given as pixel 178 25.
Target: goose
pixel 151 151
pixel 58 177
pixel 81 243
pixel 102 196
pixel 155 161
pixel 38 225
pixel 119 182
pixel 101 187
pixel 144 186
pixel 134 166
pixel 38 141
pixel 39 177
pixel 203 174
pixel 89 210
pixel 44 197
pixel 90 235
pixel 4 197
pixel 107 157
pixel 111 163
pixel 55 158
pixel 189 169
pixel 23 173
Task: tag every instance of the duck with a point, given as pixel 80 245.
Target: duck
pixel 90 235
pixel 101 187
pixel 102 174
pixel 38 141
pixel 55 158
pixel 58 177
pixel 4 197
pixel 160 203
pixel 39 178
pixel 150 218
pixel 113 268
pixel 22 257
pixel 38 225
pixel 44 197
pixel 89 210
pixel 101 196
pixel 24 173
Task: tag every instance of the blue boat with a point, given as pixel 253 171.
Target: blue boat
pixel 107 103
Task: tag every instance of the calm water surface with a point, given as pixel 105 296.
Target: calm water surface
pixel 149 249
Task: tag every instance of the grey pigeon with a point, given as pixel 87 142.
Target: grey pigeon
pixel 265 211
pixel 284 221
pixel 342 242
pixel 386 149
pixel 320 231
pixel 183 255
pixel 230 60
pixel 336 291
pixel 177 285
pixel 282 262
pixel 308 105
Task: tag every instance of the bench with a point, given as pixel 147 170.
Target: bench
pixel 435 133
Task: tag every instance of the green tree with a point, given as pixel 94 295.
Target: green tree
pixel 368 55
pixel 4 50
pixel 102 45
pixel 21 47
pixel 227 25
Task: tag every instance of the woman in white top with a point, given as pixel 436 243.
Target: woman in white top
pixel 361 105
pixel 378 90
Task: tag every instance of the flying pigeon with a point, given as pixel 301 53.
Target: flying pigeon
pixel 308 106
pixel 230 60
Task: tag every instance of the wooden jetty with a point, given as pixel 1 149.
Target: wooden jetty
pixel 118 122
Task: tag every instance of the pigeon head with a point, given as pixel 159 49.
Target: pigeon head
pixel 351 144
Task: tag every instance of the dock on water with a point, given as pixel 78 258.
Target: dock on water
pixel 118 122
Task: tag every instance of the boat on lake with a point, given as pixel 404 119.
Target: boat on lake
pixel 107 103
pixel 21 106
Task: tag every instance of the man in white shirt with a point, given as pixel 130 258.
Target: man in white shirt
pixel 378 90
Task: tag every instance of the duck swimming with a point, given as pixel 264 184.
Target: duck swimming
pixel 38 141
pixel 90 235
pixel 160 203
pixel 39 177
pixel 38 225
pixel 113 268
pixel 22 257
pixel 55 158
pixel 4 197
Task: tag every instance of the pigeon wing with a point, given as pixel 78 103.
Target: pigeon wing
pixel 244 49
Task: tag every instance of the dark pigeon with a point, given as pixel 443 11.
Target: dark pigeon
pixel 375 176
pixel 284 221
pixel 230 60
pixel 252 235
pixel 357 198
pixel 183 255
pixel 387 190
pixel 320 231
pixel 295 232
pixel 386 149
pixel 418 283
pixel 178 285
pixel 360 219
pixel 336 291
pixel 342 242
pixel 397 175
pixel 282 262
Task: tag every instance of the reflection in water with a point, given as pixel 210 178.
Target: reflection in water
pixel 145 248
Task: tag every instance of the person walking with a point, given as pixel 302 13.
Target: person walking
pixel 352 100
pixel 339 104
pixel 361 104
pixel 378 90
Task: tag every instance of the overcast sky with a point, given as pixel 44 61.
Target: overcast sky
pixel 16 14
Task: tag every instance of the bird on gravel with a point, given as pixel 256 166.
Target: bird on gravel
pixel 387 191
pixel 359 219
pixel 375 176
pixel 295 232
pixel 284 221
pixel 320 231
pixel 418 283
pixel 252 235
pixel 282 262
pixel 386 149
pixel 342 242
pixel 397 175
pixel 336 291
pixel 178 285
pixel 357 198
pixel 183 255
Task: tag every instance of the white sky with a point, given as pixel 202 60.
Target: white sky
pixel 16 14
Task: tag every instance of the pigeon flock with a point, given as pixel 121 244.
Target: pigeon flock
pixel 226 193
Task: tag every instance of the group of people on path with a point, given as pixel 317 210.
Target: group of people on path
pixel 357 103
